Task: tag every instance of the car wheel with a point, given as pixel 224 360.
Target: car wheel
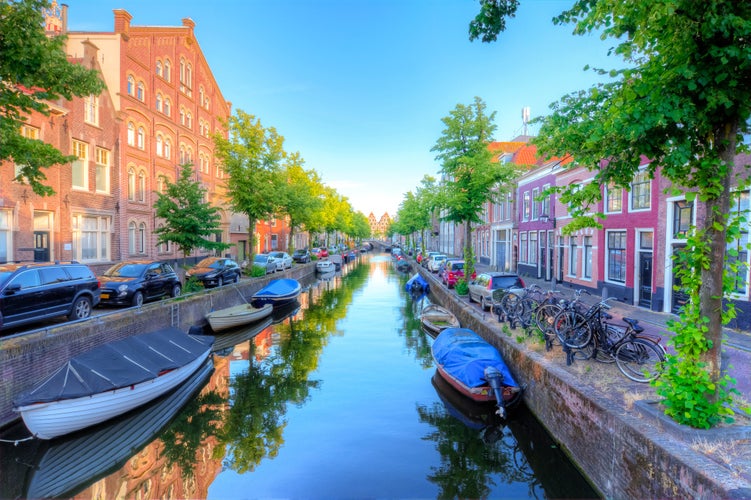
pixel 177 290
pixel 483 303
pixel 237 279
pixel 219 282
pixel 137 299
pixel 81 309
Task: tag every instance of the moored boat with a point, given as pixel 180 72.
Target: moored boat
pixel 437 318
pixel 277 293
pixel 110 380
pixel 417 285
pixel 232 317
pixel 475 368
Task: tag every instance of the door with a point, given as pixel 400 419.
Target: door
pixel 41 246
pixel 645 279
pixel 679 297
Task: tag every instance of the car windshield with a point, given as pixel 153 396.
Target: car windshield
pixel 212 263
pixel 263 258
pixel 278 255
pixel 125 270
pixel 457 266
pixel 299 252
pixel 4 275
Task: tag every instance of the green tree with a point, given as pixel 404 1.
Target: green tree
pixel 34 70
pixel 302 194
pixel 252 157
pixel 470 175
pixel 684 101
pixel 360 227
pixel 189 221
pixel 492 19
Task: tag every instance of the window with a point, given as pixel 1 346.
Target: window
pixel 91 237
pixel 131 237
pixel 614 199
pixel 616 255
pixel 102 170
pixel 141 138
pixel 91 109
pixel 641 193
pixel 29 133
pixel 587 257
pixel 158 69
pixel 131 85
pixel 526 208
pixel 737 250
pixel 6 245
pixel 164 247
pixel 167 106
pixel 182 116
pixel 189 120
pixel 140 94
pixel 131 134
pixel 523 247
pixel 131 184
pixel 159 145
pixel 532 247
pixel 167 148
pixel 183 156
pixel 141 189
pixel 159 103
pixel 535 203
pixel 167 70
pixel 201 95
pixel 80 167
pixel 545 202
pixel 573 252
pixel 142 237
pixel 683 217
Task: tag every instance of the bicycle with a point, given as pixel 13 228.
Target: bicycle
pixel 573 328
pixel 639 356
pixel 520 305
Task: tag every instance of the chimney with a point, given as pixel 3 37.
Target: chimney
pixel 122 21
pixel 64 16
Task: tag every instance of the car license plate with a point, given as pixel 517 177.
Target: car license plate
pixel 104 296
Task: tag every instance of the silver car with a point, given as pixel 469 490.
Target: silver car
pixel 481 288
pixel 283 260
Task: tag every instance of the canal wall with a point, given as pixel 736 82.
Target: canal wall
pixel 27 358
pixel 626 451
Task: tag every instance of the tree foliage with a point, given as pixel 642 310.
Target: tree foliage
pixel 189 221
pixel 492 19
pixel 683 101
pixel 302 195
pixel 470 175
pixel 252 156
pixel 34 70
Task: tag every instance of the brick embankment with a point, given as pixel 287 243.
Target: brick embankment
pixel 609 425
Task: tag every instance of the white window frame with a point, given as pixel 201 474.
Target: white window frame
pixel 80 149
pixel 102 159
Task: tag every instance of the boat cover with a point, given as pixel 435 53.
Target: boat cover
pixel 119 364
pixel 417 283
pixel 465 355
pixel 279 288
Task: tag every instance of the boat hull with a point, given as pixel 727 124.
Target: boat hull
pixel 435 319
pixel 233 317
pixel 56 418
pixel 277 293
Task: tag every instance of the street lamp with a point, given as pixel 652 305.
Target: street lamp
pixel 546 218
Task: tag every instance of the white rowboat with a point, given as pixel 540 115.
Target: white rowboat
pixel 235 316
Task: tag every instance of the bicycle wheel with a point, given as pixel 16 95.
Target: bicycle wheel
pixel 605 342
pixel 639 359
pixel 545 314
pixel 525 312
pixel 572 329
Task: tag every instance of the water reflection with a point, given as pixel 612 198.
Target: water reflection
pixel 319 401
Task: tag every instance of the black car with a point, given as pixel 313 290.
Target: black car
pixel 133 282
pixel 34 292
pixel 215 271
pixel 301 255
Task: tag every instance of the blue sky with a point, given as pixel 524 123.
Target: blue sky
pixel 359 87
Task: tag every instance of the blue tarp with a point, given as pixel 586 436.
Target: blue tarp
pixel 277 292
pixel 417 284
pixel 465 355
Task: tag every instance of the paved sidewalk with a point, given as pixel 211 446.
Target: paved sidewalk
pixel 736 348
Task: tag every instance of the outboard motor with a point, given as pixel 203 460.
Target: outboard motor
pixel 495 379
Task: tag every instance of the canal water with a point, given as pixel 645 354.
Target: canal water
pixel 335 397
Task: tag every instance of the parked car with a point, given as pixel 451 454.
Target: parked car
pixel 265 261
pixel 426 258
pixel 481 288
pixel 301 255
pixel 133 282
pixel 435 262
pixel 34 292
pixel 453 269
pixel 215 271
pixel 282 259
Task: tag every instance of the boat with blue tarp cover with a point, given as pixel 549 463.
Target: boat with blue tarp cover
pixel 110 380
pixel 475 368
pixel 417 285
pixel 277 293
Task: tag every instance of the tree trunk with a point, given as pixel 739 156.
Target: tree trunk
pixel 469 254
pixel 711 290
pixel 251 240
pixel 291 245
